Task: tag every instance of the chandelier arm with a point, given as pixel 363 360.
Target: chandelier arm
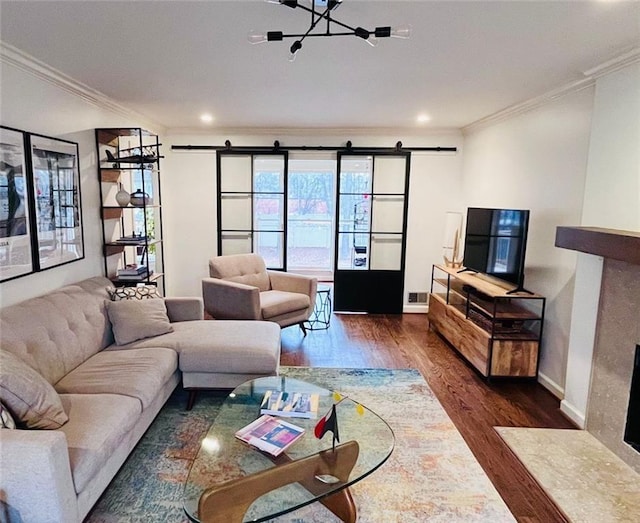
pixel 316 34
pixel 325 15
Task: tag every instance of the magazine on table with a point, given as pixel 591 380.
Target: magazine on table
pixel 270 434
pixel 290 404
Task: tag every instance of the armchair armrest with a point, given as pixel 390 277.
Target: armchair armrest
pixel 184 309
pixel 230 300
pixel 36 475
pixel 287 281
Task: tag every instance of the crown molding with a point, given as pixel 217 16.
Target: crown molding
pixel 317 131
pixel 615 64
pixel 621 61
pixel 19 59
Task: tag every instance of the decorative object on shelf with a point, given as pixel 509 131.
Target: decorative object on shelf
pixel 371 37
pixel 451 240
pixel 123 197
pixel 140 199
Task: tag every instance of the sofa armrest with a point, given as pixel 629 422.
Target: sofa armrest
pixel 36 475
pixel 184 309
pixel 230 300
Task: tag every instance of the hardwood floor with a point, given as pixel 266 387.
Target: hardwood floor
pixel 475 406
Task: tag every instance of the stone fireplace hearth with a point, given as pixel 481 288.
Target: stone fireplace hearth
pixel 617 333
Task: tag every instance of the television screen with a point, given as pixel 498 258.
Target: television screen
pixel 495 242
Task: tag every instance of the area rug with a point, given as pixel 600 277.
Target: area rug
pixel 586 480
pixel 431 475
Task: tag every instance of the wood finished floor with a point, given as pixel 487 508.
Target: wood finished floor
pixel 475 406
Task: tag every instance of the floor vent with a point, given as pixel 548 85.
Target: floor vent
pixel 418 297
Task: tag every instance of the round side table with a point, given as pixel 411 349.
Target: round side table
pixel 321 315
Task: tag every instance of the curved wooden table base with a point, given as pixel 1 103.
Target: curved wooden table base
pixel 229 501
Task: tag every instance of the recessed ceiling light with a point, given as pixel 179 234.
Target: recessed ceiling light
pixel 206 118
pixel 423 118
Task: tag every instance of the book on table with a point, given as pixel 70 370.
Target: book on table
pixel 270 434
pixel 290 404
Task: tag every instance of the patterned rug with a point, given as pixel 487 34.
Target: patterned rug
pixel 431 475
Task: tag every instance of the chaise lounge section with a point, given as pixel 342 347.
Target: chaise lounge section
pixel 96 397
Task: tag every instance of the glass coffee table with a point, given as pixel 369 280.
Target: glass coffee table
pixel 240 483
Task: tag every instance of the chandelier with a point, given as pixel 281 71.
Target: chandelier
pixel 326 8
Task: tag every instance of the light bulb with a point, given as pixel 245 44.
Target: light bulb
pixel 402 31
pixel 256 37
pixel 372 41
pixel 295 47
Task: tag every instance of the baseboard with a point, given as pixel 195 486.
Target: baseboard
pixel 415 309
pixel 573 414
pixel 551 385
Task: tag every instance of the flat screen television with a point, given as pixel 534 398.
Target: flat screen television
pixel 495 243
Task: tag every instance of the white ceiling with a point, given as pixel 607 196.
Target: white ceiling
pixel 173 60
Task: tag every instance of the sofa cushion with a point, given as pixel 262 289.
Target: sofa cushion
pixel 6 419
pixel 97 425
pixel 56 332
pixel 138 373
pixel 137 319
pixel 28 396
pixel 275 303
pixel 223 346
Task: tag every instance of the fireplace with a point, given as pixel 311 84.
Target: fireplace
pixel 632 429
pixel 613 403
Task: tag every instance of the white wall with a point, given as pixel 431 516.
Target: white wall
pixel 30 104
pixel 538 161
pixel 189 199
pixel 612 200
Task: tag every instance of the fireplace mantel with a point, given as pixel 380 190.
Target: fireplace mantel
pixel 608 243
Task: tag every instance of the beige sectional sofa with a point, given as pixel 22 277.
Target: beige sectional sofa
pixel 109 394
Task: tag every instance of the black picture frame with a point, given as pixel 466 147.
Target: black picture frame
pixel 16 219
pixel 57 227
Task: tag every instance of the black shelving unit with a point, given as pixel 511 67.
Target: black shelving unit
pixel 129 159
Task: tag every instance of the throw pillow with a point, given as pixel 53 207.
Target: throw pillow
pixel 140 292
pixel 137 319
pixel 30 398
pixel 6 419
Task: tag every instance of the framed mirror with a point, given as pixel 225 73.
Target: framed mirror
pixel 57 201
pixel 15 213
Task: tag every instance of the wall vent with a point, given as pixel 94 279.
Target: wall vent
pixel 418 297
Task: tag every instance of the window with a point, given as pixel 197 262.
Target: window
pixel 311 213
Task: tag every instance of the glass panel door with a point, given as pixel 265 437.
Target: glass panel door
pixel 370 244
pixel 252 205
pixel 269 209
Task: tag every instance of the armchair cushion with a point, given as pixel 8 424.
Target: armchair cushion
pixel 241 268
pixel 275 303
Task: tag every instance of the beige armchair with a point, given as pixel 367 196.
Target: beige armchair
pixel 241 288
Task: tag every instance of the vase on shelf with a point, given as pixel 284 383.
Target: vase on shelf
pixel 123 197
pixel 451 241
pixel 139 198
